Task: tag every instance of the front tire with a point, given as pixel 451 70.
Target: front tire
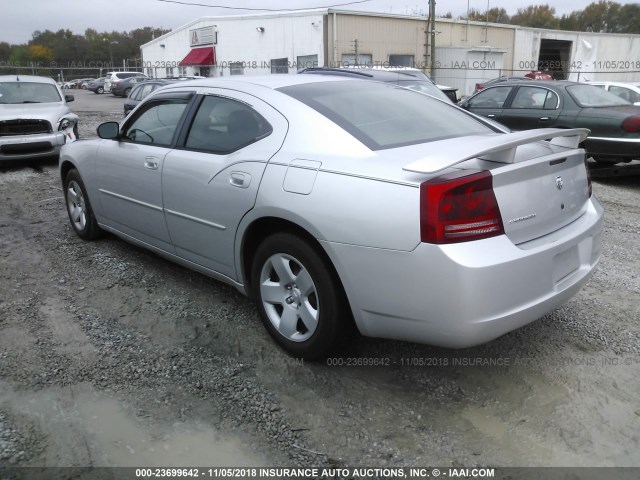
pixel 100 90
pixel 300 301
pixel 79 208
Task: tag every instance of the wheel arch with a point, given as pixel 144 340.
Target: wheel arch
pixel 261 228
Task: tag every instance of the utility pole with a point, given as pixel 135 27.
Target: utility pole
pixel 355 44
pixel 432 31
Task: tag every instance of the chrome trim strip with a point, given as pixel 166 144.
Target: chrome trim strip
pixel 195 219
pixel 610 139
pixel 128 199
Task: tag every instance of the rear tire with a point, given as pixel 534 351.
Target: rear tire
pixel 79 208
pixel 301 303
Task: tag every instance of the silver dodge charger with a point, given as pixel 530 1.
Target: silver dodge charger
pixel 338 202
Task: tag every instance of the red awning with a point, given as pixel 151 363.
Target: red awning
pixel 205 56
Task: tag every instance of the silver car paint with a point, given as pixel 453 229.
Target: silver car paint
pixel 53 112
pixel 364 210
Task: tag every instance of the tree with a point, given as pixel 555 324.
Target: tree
pixel 495 15
pixel 537 16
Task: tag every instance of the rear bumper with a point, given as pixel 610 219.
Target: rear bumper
pixel 466 294
pixel 607 147
pixel 31 146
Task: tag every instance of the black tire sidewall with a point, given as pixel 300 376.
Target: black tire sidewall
pixel 331 300
pixel 91 229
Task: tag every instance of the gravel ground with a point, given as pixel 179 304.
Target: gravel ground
pixel 110 355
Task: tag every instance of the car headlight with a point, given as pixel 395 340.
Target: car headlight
pixel 64 124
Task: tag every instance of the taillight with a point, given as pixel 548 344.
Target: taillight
pixel 479 87
pixel 586 166
pixel 459 207
pixel 631 124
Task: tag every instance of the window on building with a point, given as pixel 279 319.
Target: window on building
pixel 150 73
pixel 363 59
pixel 307 61
pixel 401 61
pixel 223 125
pixel 169 72
pixel 182 71
pixel 236 68
pixel 279 65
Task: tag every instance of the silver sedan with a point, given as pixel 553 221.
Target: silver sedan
pixel 336 202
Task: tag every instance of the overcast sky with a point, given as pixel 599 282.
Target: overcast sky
pixel 20 18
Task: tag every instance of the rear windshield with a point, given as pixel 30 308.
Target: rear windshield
pixel 28 92
pixel 592 96
pixel 384 116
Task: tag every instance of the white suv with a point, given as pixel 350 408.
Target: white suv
pixel 113 77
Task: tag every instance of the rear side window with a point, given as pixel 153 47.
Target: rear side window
pixel 384 116
pixel 536 98
pixel 223 125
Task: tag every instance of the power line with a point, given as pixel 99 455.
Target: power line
pixel 260 9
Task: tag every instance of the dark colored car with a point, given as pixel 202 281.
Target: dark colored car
pixel 97 85
pixel 614 123
pixel 494 81
pixel 403 79
pixel 123 88
pixel 141 90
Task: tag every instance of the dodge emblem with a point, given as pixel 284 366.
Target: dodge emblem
pixel 559 183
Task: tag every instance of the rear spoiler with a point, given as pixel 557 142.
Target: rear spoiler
pixel 496 148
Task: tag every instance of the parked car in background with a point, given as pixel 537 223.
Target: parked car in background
pixel 142 90
pixel 614 123
pixel 114 78
pixel 97 85
pixel 331 200
pixel 70 83
pixel 629 91
pixel 84 83
pixel 538 75
pixel 452 93
pixel 122 88
pixel 493 81
pixel 516 78
pixel 35 120
pixel 420 84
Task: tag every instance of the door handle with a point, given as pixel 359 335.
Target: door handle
pixel 491 115
pixel 240 179
pixel 151 163
pixel 544 119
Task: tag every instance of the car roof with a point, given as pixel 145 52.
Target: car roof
pixel 368 73
pixel 271 81
pixel 538 83
pixel 26 78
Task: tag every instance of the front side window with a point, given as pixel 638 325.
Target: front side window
pixel 384 116
pixel 490 98
pixel 28 92
pixel 157 123
pixel 223 125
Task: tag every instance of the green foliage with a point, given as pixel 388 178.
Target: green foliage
pixel 600 16
pixel 537 16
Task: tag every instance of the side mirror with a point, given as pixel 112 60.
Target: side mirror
pixel 69 98
pixel 464 103
pixel 109 130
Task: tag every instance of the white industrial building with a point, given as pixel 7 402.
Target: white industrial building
pixel 466 52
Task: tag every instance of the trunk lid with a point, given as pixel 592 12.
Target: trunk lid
pixel 540 186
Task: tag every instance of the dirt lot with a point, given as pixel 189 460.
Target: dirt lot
pixel 110 356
